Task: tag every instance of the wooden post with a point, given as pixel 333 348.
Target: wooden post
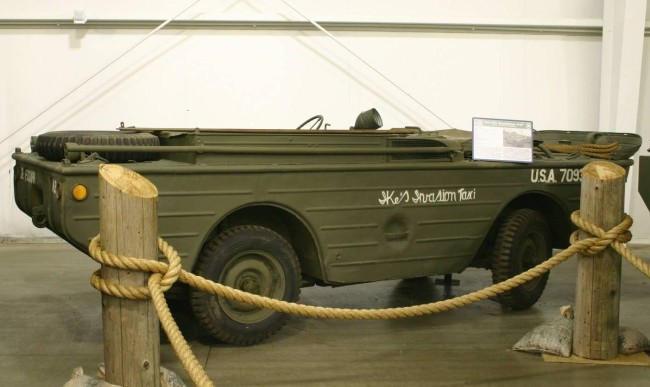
pixel 128 217
pixel 595 334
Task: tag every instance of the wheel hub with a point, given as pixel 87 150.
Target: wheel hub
pixel 255 272
pixel 250 284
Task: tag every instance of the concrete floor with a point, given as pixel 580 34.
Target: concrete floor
pixel 50 322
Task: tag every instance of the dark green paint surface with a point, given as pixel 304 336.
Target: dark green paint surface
pixel 356 206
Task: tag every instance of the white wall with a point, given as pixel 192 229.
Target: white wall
pixel 263 79
pixel 638 209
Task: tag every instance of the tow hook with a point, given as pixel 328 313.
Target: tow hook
pixel 38 217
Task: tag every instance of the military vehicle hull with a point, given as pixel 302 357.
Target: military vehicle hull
pixel 355 206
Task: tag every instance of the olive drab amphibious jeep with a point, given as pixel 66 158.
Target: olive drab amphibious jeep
pixel 271 211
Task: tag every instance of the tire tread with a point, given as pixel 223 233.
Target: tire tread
pixel 51 145
pixel 198 298
pixel 502 265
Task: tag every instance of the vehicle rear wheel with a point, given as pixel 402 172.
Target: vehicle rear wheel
pixel 253 259
pixel 523 242
pixel 51 145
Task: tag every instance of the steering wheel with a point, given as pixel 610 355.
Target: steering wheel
pixel 317 123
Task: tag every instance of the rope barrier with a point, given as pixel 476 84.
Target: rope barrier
pixel 165 275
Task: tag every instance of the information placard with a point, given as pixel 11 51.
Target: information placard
pixel 502 140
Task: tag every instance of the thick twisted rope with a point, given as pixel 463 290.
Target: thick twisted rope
pixel 166 274
pixel 171 271
pixel 601 151
pixel 182 349
pixel 615 238
pixel 157 284
pixel 318 311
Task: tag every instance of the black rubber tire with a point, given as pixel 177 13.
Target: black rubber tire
pixel 51 145
pixel 253 259
pixel 523 241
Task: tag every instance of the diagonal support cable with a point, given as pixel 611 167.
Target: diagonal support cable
pixel 315 24
pixel 101 70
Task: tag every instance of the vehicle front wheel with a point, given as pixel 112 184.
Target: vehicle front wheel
pixel 523 242
pixel 255 260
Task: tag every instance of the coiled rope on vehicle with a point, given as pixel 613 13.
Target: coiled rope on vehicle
pixel 165 275
pixel 601 151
